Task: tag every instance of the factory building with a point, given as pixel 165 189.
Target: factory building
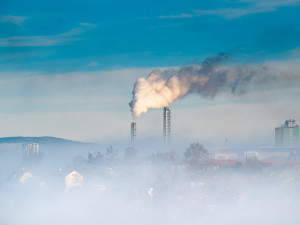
pixel 167 124
pixel 287 135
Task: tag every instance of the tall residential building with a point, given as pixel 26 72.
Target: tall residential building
pixel 287 135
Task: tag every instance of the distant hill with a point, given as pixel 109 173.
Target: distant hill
pixel 40 140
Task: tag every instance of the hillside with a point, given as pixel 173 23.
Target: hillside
pixel 40 140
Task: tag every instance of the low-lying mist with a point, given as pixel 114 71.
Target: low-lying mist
pixel 129 186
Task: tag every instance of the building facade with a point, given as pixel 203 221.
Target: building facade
pixel 287 135
pixel 30 150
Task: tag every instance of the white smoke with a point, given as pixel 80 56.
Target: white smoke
pixel 161 89
pixel 156 91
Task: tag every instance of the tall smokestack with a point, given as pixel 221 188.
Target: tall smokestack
pixel 167 124
pixel 133 133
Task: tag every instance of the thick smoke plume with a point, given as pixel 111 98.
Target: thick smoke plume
pixel 161 89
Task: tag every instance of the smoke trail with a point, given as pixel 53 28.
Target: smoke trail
pixel 161 89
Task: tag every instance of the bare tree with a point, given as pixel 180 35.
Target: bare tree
pixel 195 151
pixel 111 152
pixel 95 157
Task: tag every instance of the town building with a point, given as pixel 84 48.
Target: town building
pixel 30 150
pixel 72 180
pixel 287 135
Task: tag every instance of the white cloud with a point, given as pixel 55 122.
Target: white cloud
pixel 254 7
pixel 231 13
pixel 92 64
pixel 88 24
pixel 183 15
pixel 18 20
pixel 47 40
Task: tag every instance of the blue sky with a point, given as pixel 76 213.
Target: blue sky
pixel 53 35
pixel 62 58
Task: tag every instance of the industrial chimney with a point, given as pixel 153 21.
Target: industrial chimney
pixel 167 124
pixel 133 133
